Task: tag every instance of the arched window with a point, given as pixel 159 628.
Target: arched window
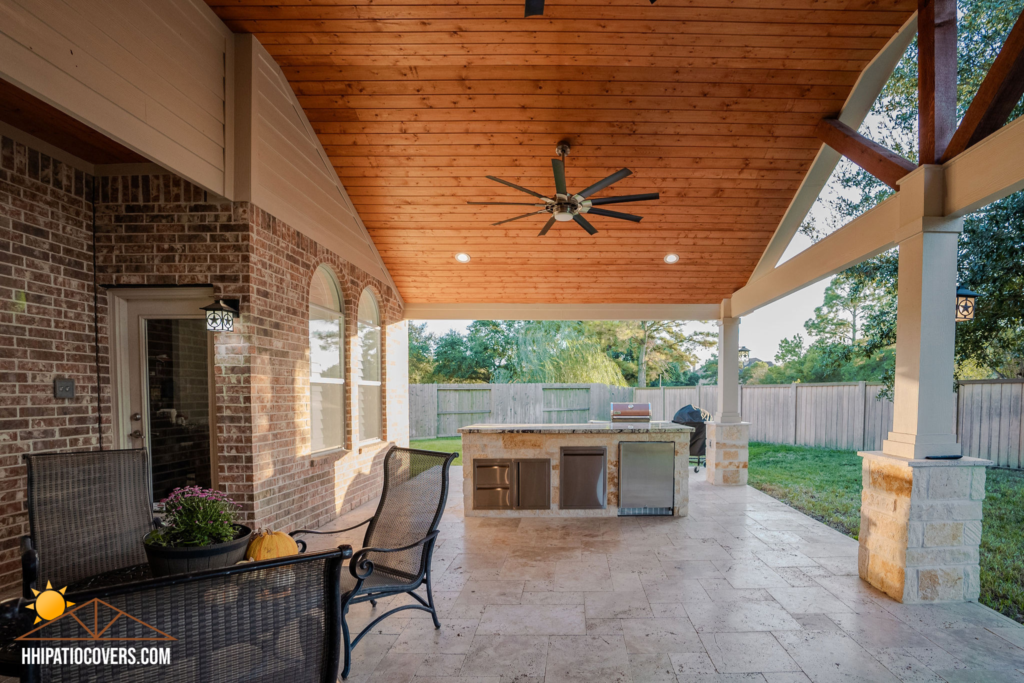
pixel 367 372
pixel 326 362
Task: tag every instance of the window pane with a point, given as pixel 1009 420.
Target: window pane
pixel 369 412
pixel 369 343
pixel 326 355
pixel 323 291
pixel 368 313
pixel 328 431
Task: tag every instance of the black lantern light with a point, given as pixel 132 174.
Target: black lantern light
pixel 220 316
pixel 964 304
pixel 744 356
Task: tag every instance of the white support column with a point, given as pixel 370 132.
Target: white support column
pixel 925 326
pixel 920 518
pixel 728 371
pixel 728 435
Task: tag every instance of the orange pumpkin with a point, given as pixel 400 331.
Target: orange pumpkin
pixel 268 545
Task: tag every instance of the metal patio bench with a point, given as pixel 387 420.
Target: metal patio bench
pixel 399 541
pixel 87 512
pixel 254 622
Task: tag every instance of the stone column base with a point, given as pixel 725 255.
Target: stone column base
pixel 920 527
pixel 727 453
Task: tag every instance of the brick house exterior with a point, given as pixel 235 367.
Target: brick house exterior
pixel 160 230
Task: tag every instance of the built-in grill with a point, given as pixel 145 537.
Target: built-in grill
pixel 632 413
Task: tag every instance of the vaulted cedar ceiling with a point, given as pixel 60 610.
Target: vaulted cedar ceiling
pixel 712 103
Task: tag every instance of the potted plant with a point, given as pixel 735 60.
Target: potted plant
pixel 199 532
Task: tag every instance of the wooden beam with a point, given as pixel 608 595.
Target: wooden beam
pixel 997 96
pixel 936 67
pixel 880 162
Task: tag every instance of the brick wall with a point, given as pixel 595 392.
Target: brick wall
pixel 46 328
pixel 159 230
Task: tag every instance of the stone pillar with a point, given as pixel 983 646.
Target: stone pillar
pixel 921 526
pixel 921 518
pixel 728 436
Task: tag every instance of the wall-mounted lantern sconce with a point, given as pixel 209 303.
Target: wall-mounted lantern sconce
pixel 220 315
pixel 744 356
pixel 964 304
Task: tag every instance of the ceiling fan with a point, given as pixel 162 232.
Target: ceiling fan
pixel 536 7
pixel 565 207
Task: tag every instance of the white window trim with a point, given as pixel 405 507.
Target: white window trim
pixel 343 446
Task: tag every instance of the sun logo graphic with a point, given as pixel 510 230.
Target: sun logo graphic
pixel 50 603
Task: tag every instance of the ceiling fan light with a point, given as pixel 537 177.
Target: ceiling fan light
pixel 563 216
pixel 462 257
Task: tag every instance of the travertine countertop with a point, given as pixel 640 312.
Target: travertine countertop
pixel 589 428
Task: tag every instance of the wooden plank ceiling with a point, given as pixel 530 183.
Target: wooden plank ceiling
pixel 712 103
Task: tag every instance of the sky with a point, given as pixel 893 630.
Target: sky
pixel 760 331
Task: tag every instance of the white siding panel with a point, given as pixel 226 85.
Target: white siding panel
pixel 149 74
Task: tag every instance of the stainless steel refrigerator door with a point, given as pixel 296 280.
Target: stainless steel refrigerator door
pixel 646 474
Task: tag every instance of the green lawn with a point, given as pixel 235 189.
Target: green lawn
pixel 826 484
pixel 449 445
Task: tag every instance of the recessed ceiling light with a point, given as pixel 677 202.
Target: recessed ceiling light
pixel 671 258
pixel 462 258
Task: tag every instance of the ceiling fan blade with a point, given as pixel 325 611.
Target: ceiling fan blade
pixel 534 8
pixel 525 215
pixel 547 226
pixel 517 187
pixel 585 224
pixel 558 166
pixel 601 184
pixel 504 204
pixel 615 214
pixel 624 198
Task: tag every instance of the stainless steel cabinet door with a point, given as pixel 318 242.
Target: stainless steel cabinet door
pixel 647 474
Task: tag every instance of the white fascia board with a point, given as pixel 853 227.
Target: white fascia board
pixel 865 91
pixel 868 235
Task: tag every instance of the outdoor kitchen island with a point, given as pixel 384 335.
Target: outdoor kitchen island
pixel 599 469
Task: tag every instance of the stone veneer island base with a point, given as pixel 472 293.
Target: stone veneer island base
pixel 545 441
pixel 920 527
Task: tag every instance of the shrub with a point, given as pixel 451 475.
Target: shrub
pixel 196 517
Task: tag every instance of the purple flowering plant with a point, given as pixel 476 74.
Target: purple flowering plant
pixel 195 516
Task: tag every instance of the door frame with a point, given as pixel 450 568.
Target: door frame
pixel 120 370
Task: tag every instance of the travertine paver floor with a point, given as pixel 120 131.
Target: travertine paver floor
pixel 744 589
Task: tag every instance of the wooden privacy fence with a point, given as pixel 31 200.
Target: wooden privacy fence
pixel 989 420
pixel 437 410
pixel 846 415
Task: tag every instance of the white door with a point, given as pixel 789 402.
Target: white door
pixel 162 376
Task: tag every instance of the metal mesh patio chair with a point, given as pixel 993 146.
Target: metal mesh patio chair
pixel 87 514
pixel 399 541
pixel 257 622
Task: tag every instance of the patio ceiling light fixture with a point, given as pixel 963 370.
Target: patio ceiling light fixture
pixel 462 257
pixel 964 304
pixel 671 258
pixel 220 316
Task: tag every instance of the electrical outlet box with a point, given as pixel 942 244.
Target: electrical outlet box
pixel 63 388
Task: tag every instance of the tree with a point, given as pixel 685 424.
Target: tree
pixel 560 351
pixel 847 301
pixel 790 349
pixel 493 345
pixel 990 245
pixel 453 362
pixel 421 354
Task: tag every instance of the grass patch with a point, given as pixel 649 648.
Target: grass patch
pixel 452 444
pixel 820 482
pixel 826 485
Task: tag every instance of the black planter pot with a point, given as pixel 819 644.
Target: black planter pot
pixel 165 561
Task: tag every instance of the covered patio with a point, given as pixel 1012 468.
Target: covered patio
pixel 217 219
pixel 743 589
